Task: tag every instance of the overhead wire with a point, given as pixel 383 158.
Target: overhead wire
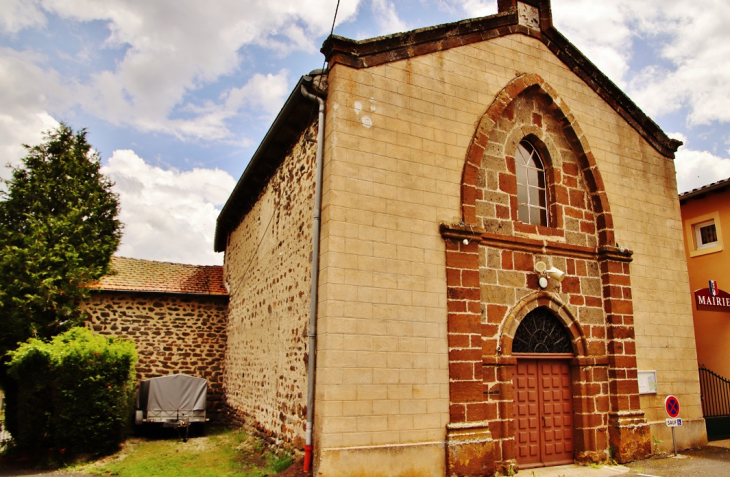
pixel 334 20
pixel 332 30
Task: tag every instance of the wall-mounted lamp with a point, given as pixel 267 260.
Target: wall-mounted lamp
pixel 545 273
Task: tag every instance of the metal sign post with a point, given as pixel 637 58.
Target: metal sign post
pixel 671 405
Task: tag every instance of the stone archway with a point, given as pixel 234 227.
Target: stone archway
pixel 560 310
pixel 541 332
pixel 588 380
pixel 482 317
pixel 471 191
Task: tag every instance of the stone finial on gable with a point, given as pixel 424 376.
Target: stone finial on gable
pixel 534 14
pixel 528 15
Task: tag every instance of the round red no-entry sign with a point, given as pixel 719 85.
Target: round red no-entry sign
pixel 671 405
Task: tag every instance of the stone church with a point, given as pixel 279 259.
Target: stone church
pixel 455 252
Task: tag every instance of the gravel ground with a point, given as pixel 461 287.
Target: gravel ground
pixel 709 461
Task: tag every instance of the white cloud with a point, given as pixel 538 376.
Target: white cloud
pixel 168 215
pixel 697 83
pixel 169 50
pixel 387 17
pixel 18 130
pixel 266 92
pixel 16 15
pixel 601 30
pixel 475 8
pixel 27 94
pixel 698 168
pixel 691 46
pixel 27 87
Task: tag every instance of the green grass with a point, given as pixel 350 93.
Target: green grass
pixel 221 453
pixel 280 463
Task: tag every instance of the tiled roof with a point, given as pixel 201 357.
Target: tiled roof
pixel 132 274
pixel 715 186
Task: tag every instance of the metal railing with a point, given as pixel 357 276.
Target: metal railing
pixel 714 393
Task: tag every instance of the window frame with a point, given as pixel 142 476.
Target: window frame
pixel 534 153
pixel 694 238
pixel 699 245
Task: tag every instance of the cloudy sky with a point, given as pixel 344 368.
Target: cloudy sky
pixel 177 94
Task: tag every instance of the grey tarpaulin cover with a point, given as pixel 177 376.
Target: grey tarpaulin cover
pixel 178 392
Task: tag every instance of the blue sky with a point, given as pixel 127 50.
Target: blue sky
pixel 177 94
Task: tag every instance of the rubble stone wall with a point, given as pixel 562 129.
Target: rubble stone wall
pixel 174 334
pixel 268 267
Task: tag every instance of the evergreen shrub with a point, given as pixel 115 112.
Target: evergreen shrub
pixel 75 392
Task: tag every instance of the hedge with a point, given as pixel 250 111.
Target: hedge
pixel 75 392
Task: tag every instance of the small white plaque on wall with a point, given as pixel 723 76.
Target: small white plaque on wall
pixel 647 382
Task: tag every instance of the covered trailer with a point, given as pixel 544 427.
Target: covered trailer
pixel 173 401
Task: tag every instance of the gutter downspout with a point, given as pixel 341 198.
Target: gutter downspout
pixel 315 275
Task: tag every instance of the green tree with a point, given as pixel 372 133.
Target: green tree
pixel 58 231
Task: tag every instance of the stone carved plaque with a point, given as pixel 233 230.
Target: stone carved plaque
pixel 529 15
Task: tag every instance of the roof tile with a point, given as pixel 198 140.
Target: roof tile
pixel 715 186
pixel 132 274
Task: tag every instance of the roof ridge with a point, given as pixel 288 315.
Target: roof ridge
pixel 118 257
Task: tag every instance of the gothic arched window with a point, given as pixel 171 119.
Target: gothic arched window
pixel 532 206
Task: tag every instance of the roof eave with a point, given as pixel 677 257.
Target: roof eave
pixel 158 292
pixel 709 188
pixel 290 121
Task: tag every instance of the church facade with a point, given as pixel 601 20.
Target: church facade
pixel 500 256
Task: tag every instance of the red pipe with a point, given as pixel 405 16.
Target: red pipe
pixel 307 457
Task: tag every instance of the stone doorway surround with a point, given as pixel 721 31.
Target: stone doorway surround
pixel 543 391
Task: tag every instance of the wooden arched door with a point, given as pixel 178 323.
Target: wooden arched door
pixel 543 411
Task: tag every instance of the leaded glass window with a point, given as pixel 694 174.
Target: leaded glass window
pixel 541 332
pixel 532 207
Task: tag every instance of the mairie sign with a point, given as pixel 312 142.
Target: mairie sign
pixel 712 298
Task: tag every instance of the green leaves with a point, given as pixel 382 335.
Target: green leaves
pixel 75 391
pixel 58 231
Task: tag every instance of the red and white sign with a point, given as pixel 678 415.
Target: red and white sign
pixel 712 298
pixel 671 405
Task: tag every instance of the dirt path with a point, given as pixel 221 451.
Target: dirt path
pixel 12 471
